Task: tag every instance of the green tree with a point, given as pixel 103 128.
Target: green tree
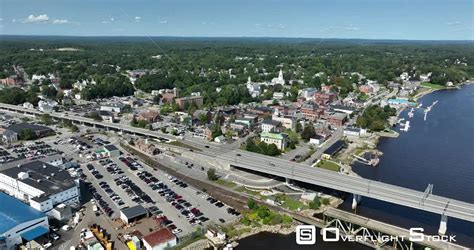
pixel 308 132
pixel 211 174
pixel 27 134
pixel 315 203
pixel 252 204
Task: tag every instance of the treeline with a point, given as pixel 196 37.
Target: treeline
pixel 261 147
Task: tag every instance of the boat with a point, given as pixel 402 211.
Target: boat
pixel 411 114
pixel 406 126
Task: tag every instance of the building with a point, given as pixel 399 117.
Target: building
pixel 278 95
pixel 279 139
pixel 132 214
pixel 38 130
pixel 271 126
pixel 343 109
pixel 249 122
pixel 8 136
pixel 286 121
pixel 19 222
pixel 150 116
pixel 324 98
pixel 106 115
pixel 312 111
pixel 40 184
pixel 333 149
pixel 353 131
pixel 337 119
pixel 112 151
pixel 253 88
pixel 317 140
pixel 279 79
pixel 159 240
pixel 47 105
pixel 114 108
pixel 185 102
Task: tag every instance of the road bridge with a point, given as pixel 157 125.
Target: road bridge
pixel 358 186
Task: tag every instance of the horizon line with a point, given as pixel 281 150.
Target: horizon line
pixel 238 37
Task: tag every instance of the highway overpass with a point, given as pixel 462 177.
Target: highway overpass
pixel 351 184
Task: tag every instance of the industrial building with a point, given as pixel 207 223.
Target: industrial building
pixel 19 222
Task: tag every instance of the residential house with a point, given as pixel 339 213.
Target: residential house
pixel 271 126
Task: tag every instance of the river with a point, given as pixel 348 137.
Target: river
pixel 438 151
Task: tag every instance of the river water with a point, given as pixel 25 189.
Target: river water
pixel 438 151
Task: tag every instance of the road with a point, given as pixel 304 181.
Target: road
pixel 351 184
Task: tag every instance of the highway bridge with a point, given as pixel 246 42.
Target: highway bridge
pixel 352 184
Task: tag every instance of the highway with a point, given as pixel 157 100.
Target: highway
pixel 350 184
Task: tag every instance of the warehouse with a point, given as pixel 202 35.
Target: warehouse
pixel 19 222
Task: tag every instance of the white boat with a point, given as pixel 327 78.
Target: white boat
pixel 411 114
pixel 406 126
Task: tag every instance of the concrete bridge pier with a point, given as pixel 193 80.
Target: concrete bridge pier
pixel 443 225
pixel 355 200
pixel 287 180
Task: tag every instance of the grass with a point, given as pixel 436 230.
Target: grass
pixel 189 242
pixel 225 183
pixel 243 189
pixel 432 86
pixel 290 203
pixel 183 145
pixel 329 165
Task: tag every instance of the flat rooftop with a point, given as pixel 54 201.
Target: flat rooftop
pixel 43 176
pixel 14 212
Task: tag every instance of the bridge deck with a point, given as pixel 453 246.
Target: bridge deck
pixel 384 228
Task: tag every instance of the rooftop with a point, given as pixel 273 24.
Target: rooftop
pixel 334 148
pixel 14 212
pixel 161 236
pixel 43 176
pixel 17 128
pixel 277 136
pixel 133 212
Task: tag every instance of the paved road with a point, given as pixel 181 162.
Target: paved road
pixel 351 184
pixel 337 135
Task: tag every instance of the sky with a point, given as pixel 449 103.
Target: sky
pixel 366 19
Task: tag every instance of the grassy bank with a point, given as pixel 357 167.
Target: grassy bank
pixel 329 165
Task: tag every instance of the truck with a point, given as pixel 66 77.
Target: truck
pixel 94 208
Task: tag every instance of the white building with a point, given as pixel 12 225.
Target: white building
pixel 47 105
pixel 279 79
pixel 279 139
pixel 278 95
pixel 353 131
pixel 40 184
pixel 114 108
pixel 253 88
pixel 19 222
pixel 159 240
pixel 271 126
pixel 286 121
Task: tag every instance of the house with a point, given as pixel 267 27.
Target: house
pixel 185 102
pixel 279 139
pixel 220 139
pixel 150 116
pixel 159 240
pixel 271 126
pixel 278 95
pixel 112 151
pixel 307 93
pixel 8 136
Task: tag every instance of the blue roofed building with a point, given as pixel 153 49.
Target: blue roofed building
pixel 19 222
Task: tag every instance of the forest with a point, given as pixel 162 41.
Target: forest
pixel 205 64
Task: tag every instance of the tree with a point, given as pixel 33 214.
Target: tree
pixel 308 132
pixel 252 204
pixel 94 115
pixel 272 150
pixel 298 127
pixel 315 203
pixel 46 119
pixel 211 174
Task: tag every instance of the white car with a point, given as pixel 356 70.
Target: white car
pixel 176 231
pixel 66 228
pixel 48 245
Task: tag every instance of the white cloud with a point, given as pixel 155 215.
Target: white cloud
pixel 37 19
pixel 454 23
pixel 138 19
pixel 105 22
pixel 351 27
pixel 164 21
pixel 112 19
pixel 1 19
pixel 60 21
